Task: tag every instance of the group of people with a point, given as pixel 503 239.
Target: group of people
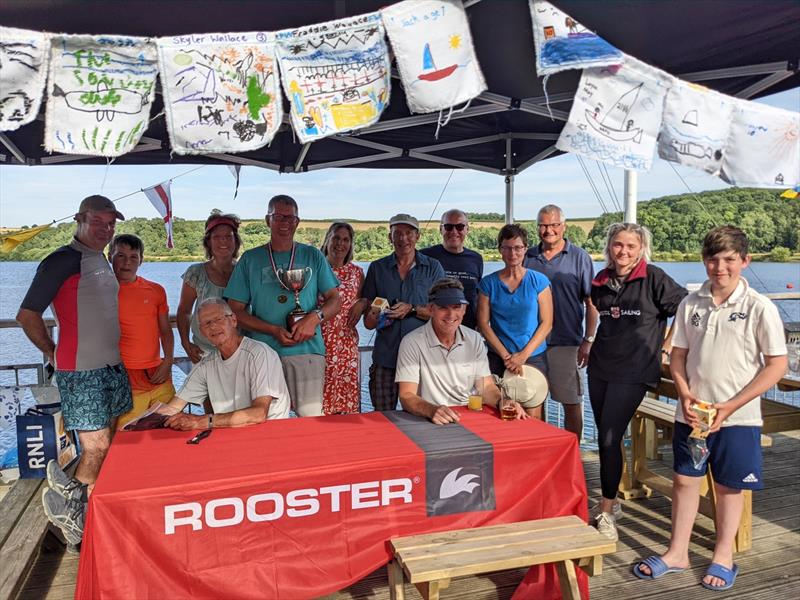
pixel 443 329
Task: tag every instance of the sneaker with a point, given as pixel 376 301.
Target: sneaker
pixel 61 482
pixel 607 525
pixel 65 513
pixel 616 510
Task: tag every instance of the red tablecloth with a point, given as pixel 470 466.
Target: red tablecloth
pixel 300 508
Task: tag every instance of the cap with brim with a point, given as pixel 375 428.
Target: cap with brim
pixel 404 219
pixel 448 297
pixel 530 389
pixel 222 221
pixel 99 204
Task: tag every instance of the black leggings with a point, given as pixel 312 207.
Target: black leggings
pixel 614 405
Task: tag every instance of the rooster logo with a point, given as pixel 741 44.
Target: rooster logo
pixel 452 484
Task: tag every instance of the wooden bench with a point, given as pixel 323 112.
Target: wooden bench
pixel 652 425
pixel 430 561
pixel 23 526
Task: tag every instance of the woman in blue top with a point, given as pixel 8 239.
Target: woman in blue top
pixel 515 310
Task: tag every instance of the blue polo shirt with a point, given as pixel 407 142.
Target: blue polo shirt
pixel 570 273
pixel 467 267
pixel 383 280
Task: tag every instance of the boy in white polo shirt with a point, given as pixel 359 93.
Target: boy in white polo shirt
pixel 728 349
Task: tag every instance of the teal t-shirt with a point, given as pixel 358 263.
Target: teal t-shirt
pixel 253 282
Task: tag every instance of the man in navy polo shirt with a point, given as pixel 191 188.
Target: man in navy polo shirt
pixel 403 279
pixel 570 271
pixel 459 263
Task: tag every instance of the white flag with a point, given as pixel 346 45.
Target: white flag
pixel 159 196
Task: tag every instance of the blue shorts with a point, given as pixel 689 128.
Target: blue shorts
pixel 734 456
pixel 90 400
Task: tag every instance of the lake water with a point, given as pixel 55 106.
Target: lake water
pixel 15 277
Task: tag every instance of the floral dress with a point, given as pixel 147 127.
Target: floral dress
pixel 342 393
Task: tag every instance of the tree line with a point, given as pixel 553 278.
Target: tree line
pixel 678 224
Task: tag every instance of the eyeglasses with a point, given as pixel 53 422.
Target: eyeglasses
pixel 512 248
pixel 279 218
pixel 545 226
pixel 457 226
pixel 217 321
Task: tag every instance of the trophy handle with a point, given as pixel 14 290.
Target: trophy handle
pixel 309 271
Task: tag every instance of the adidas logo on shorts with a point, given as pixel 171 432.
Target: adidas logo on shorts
pixel 750 479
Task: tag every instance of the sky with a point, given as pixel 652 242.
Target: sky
pixel 37 195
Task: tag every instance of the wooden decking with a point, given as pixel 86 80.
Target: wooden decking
pixel 770 570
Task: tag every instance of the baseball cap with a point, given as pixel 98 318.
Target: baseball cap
pixel 404 219
pixel 529 389
pixel 447 297
pixel 99 204
pixel 222 220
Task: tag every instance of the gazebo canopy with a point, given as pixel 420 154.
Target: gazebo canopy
pixel 742 48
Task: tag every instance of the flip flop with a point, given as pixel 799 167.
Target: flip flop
pixel 658 568
pixel 727 575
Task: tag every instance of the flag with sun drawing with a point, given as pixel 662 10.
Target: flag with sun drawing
pixel 433 48
pixel 336 75
pixel 763 147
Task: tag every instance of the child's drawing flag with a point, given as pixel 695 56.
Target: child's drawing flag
pixel 616 115
pixel 9 241
pixel 159 196
pixel 562 43
pixel 336 75
pixel 99 94
pixel 695 127
pixel 763 148
pixel 221 91
pixel 23 71
pixel 433 48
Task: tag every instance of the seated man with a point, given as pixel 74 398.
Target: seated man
pixel 438 363
pixel 242 378
pixel 145 330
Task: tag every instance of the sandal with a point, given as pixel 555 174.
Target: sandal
pixel 727 575
pixel 658 568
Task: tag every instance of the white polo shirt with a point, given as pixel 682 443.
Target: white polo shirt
pixel 444 375
pixel 726 345
pixel 254 370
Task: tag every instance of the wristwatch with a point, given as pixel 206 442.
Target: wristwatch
pixel 412 312
pixel 320 315
pixel 589 338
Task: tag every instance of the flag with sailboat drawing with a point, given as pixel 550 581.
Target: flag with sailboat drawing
pixel 336 75
pixel 23 70
pixel 616 114
pixel 562 43
pixel 433 48
pixel 695 126
pixel 100 92
pixel 221 91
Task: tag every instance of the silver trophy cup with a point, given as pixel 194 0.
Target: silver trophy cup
pixel 295 280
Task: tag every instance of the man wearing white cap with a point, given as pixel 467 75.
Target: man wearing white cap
pixel 438 364
pixel 402 279
pixel 79 284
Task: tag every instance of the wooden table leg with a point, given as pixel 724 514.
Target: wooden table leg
pixel 629 486
pixel 396 589
pixel 568 580
pixel 744 535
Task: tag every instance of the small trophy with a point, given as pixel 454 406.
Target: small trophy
pixel 294 280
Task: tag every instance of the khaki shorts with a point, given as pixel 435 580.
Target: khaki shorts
pixel 563 376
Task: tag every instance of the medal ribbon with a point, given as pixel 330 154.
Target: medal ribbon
pixel 275 267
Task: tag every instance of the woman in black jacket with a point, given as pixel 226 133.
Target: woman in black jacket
pixel 634 300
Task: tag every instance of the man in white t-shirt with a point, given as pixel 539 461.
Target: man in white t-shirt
pixel 728 348
pixel 242 378
pixel 438 363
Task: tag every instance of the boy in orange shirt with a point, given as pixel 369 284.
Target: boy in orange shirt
pixel 144 329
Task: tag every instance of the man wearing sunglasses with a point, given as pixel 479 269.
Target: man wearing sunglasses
pixel 570 271
pixel 459 263
pixel 262 302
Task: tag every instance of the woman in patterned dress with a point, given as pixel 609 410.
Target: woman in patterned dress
pixel 207 280
pixel 342 393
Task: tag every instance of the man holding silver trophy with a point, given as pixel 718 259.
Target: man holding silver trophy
pixel 273 292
